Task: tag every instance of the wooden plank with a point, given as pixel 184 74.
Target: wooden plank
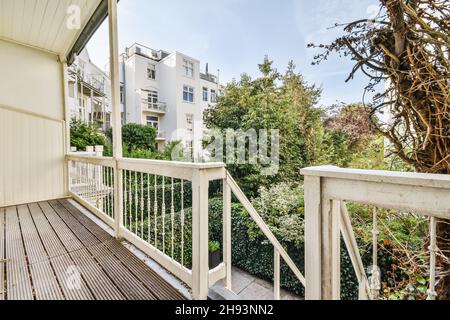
pixel 147 276
pixel 131 287
pixel 95 229
pixel 45 283
pixel 138 268
pixel 384 177
pixel 54 231
pixel 18 278
pixel 96 284
pixel 2 254
pixel 100 284
pixel 153 281
pixel 72 283
pixel 83 235
pixel 425 201
pixel 43 278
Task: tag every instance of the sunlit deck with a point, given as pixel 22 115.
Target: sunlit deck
pixel 52 251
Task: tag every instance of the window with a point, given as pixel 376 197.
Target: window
pixel 153 122
pixel 205 94
pixel 190 123
pixel 188 67
pixel 151 72
pixel 188 94
pixel 213 96
pixel 151 98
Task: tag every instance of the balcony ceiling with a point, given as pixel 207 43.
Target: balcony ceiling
pixel 41 24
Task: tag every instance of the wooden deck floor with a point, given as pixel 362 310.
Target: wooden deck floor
pixel 52 251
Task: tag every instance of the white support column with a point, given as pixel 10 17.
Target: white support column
pixel 116 114
pixel 227 248
pixel 200 236
pixel 313 238
pixel 66 122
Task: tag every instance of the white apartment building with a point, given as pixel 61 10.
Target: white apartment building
pixel 167 91
pixel 89 92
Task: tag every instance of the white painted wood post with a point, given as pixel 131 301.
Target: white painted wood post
pixel 116 114
pixel 227 247
pixel 313 238
pixel 200 236
pixel 276 274
pixel 336 250
pixel 433 249
pixel 66 124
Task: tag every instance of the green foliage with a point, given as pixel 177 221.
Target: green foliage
pixel 83 135
pixel 137 137
pixel 139 154
pixel 273 101
pixel 282 208
pixel 214 246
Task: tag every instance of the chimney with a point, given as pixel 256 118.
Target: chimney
pixel 207 68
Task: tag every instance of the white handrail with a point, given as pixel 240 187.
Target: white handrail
pixel 264 228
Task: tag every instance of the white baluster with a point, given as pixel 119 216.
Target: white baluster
pixel 136 202
pixel 433 249
pixel 172 220
pixel 163 213
pixel 130 198
pixel 148 209
pixel 142 205
pixel 125 197
pixel 182 222
pixel 276 271
pixel 375 283
pixel 155 211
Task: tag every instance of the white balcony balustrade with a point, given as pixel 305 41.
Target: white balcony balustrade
pixel 327 189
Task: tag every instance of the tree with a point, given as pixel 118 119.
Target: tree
pixel 354 122
pixel 272 101
pixel 137 137
pixel 407 48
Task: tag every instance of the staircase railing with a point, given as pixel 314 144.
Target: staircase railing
pixel 279 251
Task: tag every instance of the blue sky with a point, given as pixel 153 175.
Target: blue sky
pixel 235 35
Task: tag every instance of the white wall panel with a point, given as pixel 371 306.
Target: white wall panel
pixel 31 158
pixel 30 80
pixel 31 126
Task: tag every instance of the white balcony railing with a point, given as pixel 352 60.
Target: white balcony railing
pixel 159 107
pixel 162 209
pixel 327 189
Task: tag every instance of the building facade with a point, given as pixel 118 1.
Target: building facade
pixel 167 91
pixel 89 92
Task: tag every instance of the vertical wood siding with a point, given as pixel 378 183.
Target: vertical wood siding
pixel 31 158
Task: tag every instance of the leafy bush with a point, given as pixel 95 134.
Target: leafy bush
pixel 214 246
pixel 83 135
pixel 282 208
pixel 137 137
